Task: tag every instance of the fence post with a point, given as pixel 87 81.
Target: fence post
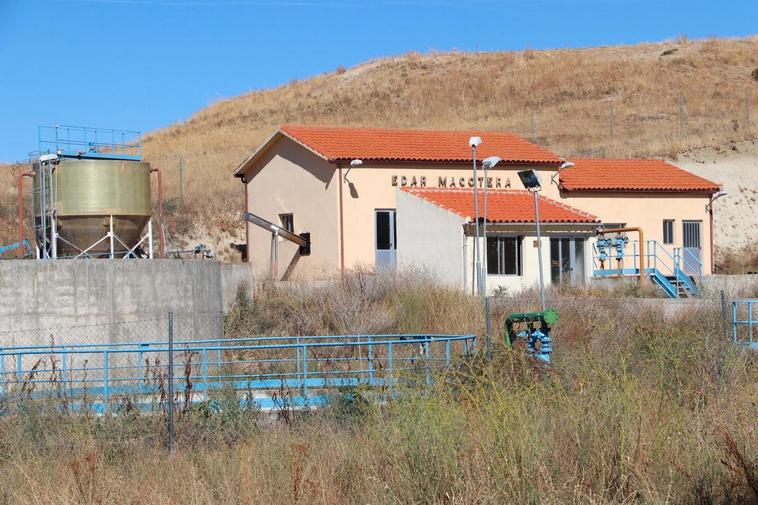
pixel 723 313
pixel 390 368
pixel 487 326
pixel 170 426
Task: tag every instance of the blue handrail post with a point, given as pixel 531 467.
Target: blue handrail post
pixel 2 372
pixel 734 321
pixel 219 361
pixel 370 360
pixel 655 254
pixel 205 370
pixel 447 352
pixel 427 364
pixel 298 357
pixel 634 256
pixel 64 371
pixel 19 369
pixel 139 372
pixel 750 321
pixel 305 371
pixel 106 400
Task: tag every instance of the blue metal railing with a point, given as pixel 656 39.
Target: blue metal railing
pixel 24 245
pixel 660 265
pixel 98 377
pixel 745 317
pixel 86 142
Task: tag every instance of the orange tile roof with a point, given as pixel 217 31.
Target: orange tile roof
pixel 503 205
pixel 381 144
pixel 631 175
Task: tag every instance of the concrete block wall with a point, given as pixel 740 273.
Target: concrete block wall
pixel 95 301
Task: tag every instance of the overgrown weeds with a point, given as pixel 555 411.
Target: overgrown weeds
pixel 641 405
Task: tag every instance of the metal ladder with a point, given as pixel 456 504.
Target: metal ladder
pixel 43 195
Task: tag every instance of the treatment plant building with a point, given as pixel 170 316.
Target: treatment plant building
pixel 394 199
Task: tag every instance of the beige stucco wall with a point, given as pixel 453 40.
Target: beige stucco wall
pixel 290 179
pixel 430 240
pixel 647 211
pixel 371 188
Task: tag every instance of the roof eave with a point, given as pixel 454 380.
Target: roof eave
pixel 439 161
pixel 707 191
pixel 244 167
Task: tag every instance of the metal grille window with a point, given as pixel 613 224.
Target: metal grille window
pixel 668 231
pixel 288 222
pixel 504 255
pixel 691 234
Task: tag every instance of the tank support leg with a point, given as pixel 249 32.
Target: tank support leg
pixel 110 234
pixel 150 239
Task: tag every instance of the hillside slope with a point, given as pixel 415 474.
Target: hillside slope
pixel 619 101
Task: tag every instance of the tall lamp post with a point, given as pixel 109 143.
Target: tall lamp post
pixel 531 181
pixel 474 143
pixel 487 163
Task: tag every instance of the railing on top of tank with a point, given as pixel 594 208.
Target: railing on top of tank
pixel 307 369
pixel 87 142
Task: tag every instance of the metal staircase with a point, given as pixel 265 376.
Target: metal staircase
pixel 674 272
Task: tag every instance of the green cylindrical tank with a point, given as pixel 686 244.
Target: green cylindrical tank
pixel 88 192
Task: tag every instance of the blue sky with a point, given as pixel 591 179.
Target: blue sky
pixel 143 64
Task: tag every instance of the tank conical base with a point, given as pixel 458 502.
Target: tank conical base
pixel 84 231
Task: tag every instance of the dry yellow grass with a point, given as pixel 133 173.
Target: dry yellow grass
pixel 638 407
pixel 571 94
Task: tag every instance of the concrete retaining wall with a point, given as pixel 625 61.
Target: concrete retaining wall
pixel 90 301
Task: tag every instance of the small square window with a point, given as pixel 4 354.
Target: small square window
pixel 288 222
pixel 668 231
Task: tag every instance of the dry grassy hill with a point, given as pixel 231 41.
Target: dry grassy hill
pixel 620 101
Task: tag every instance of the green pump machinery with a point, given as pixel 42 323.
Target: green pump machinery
pixel 534 328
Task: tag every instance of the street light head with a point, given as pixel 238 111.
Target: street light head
pixel 716 196
pixel 475 141
pixel 356 163
pixel 531 180
pixel 567 164
pixel 490 162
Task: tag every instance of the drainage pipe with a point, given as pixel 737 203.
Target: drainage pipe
pixel 642 246
pixel 161 229
pixel 21 212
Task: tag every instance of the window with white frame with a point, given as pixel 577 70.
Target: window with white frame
pixel 668 231
pixel 504 255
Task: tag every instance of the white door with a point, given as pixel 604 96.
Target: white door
pixel 691 250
